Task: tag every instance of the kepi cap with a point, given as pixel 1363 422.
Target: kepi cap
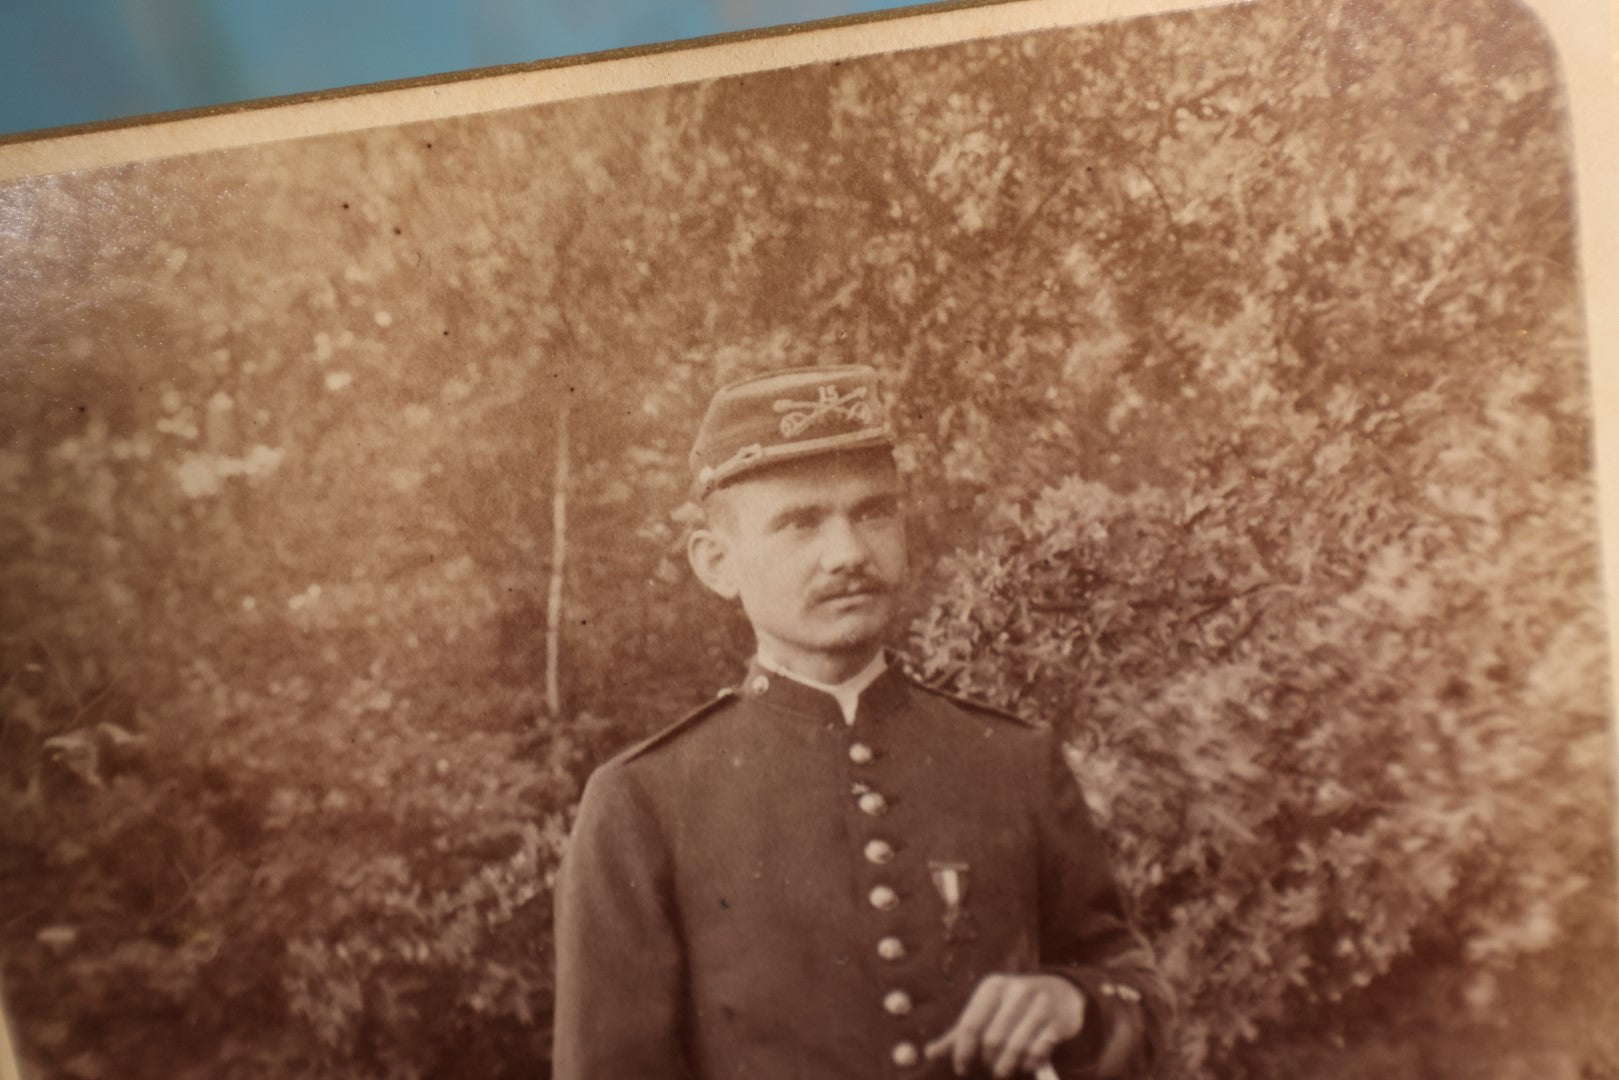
pixel 785 415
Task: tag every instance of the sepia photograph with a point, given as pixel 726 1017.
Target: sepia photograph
pixel 1030 540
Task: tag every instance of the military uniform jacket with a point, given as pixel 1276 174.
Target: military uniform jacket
pixel 765 891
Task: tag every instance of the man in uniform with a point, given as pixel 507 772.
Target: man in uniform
pixel 832 872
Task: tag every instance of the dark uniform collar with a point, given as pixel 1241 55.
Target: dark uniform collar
pixel 786 694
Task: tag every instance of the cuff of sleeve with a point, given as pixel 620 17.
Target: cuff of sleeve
pixel 1114 1027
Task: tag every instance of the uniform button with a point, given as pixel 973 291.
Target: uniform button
pixel 873 803
pixel 883 898
pixel 860 753
pixel 905 1055
pixel 897 1003
pixel 759 684
pixel 891 948
pixel 879 851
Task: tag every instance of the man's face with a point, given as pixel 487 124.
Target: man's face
pixel 815 551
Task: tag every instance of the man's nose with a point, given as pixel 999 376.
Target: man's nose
pixel 843 545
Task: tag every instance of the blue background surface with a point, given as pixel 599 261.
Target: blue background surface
pixel 77 61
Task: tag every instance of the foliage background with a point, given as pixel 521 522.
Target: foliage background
pixel 1241 387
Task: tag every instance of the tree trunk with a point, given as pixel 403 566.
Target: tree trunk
pixel 559 551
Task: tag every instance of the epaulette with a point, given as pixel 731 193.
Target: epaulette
pixel 968 703
pixel 698 714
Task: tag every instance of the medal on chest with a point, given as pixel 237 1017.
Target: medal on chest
pixel 951 881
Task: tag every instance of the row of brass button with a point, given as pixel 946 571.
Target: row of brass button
pixel 880 852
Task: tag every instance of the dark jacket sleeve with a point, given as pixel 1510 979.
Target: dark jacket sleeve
pixel 1086 936
pixel 620 976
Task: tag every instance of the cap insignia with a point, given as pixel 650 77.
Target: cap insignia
pixel 799 416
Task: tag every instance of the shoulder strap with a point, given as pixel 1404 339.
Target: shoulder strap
pixel 702 712
pixel 968 703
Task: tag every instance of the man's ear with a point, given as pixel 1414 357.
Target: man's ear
pixel 709 556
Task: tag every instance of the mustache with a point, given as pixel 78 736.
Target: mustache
pixel 853 586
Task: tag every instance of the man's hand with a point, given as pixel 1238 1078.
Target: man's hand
pixel 1012 1023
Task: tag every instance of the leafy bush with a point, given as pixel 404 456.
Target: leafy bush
pixel 1327 715
pixel 361 895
